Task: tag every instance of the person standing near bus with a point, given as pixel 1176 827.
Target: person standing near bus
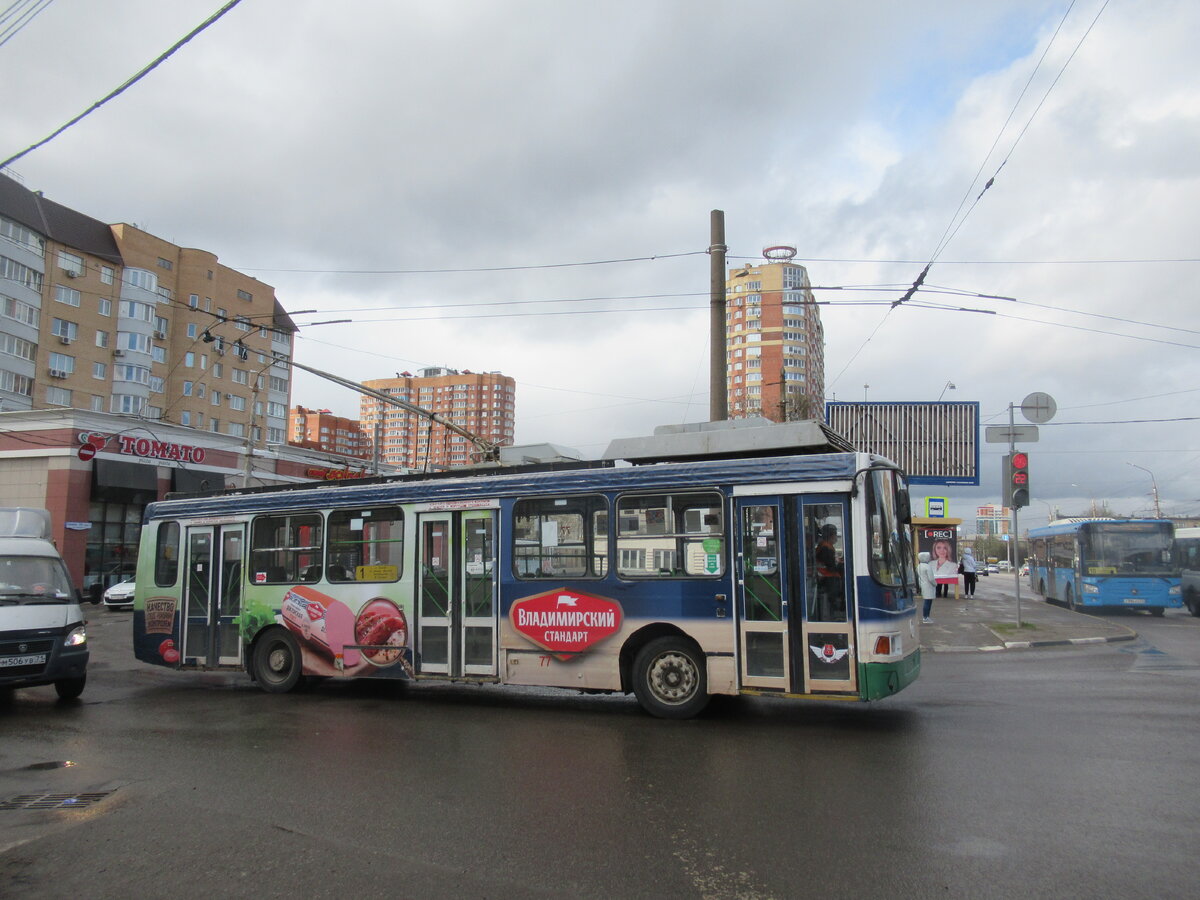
pixel 969 569
pixel 928 585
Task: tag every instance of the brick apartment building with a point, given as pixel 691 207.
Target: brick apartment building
pixel 775 344
pixel 481 402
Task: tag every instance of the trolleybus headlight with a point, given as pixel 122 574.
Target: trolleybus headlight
pixel 1174 591
pixel 1091 588
pixel 76 637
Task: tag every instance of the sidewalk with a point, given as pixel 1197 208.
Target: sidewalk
pixel 989 621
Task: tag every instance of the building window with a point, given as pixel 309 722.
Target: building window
pixel 62 362
pixel 18 347
pixel 12 270
pixel 165 264
pixel 100 370
pixel 245 295
pixel 104 306
pixel 21 312
pixel 56 396
pixel 101 338
pixel 69 296
pixel 97 403
pixel 19 234
pixel 107 274
pixel 127 404
pixel 64 329
pixel 69 262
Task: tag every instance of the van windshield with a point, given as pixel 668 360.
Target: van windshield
pixel 34 579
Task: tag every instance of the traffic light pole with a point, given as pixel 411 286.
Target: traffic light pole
pixel 1016 569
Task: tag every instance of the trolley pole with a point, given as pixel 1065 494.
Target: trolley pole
pixel 718 394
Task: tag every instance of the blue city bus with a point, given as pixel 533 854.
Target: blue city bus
pixel 777 572
pixel 1091 563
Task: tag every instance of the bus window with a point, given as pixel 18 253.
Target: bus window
pixel 286 549
pixel 365 544
pixel 557 537
pixel 670 535
pixel 825 562
pixel 166 559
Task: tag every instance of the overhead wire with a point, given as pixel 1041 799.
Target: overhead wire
pixel 32 8
pixel 128 83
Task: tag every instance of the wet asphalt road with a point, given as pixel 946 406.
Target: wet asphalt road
pixel 1041 773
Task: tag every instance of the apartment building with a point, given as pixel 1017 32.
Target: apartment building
pixel 775 344
pixel 483 403
pixel 110 318
pixel 319 429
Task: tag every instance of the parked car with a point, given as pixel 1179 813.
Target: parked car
pixel 981 570
pixel 120 595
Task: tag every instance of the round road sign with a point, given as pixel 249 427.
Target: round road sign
pixel 1038 407
pixel 87 451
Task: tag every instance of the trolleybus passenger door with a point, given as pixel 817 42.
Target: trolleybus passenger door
pixel 456 602
pixel 213 595
pixel 826 644
pixel 762 603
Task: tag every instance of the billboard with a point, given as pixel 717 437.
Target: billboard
pixel 935 443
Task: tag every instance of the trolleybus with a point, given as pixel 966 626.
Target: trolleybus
pixel 1106 562
pixel 695 571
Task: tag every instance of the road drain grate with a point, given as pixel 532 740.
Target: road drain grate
pixel 55 801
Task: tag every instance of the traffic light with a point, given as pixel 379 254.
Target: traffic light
pixel 1016 480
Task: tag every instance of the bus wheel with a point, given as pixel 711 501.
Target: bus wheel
pixel 70 688
pixel 1069 594
pixel 277 662
pixel 1158 611
pixel 1042 587
pixel 669 678
pixel 1193 603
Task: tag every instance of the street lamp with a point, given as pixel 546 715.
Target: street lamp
pixel 949 387
pixel 1153 485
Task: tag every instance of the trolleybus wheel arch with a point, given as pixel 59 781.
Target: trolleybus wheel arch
pixel 278 665
pixel 1069 596
pixel 669 678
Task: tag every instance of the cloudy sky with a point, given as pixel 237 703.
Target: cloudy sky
pixel 525 186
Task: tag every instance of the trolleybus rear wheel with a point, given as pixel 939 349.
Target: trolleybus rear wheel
pixel 277 662
pixel 669 678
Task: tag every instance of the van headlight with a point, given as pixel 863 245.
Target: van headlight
pixel 76 637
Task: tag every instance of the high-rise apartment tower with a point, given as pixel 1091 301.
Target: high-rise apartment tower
pixel 775 344
pixel 481 402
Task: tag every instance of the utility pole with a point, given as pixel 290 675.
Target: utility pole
pixel 718 365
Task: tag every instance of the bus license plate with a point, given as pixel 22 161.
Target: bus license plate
pixel 31 660
pixel 1131 600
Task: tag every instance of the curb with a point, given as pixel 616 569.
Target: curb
pixel 1030 645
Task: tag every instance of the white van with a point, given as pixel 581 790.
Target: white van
pixel 42 636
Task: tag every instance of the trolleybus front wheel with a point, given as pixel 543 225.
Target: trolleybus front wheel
pixel 277 662
pixel 1070 597
pixel 669 678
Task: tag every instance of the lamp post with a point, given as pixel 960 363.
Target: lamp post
pixel 1154 487
pixel 949 387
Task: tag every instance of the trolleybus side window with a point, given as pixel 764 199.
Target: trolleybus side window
pixel 560 537
pixel 286 549
pixel 825 562
pixel 166 559
pixel 670 535
pixel 365 544
pixel 890 551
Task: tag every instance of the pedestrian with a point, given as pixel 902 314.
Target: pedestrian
pixel 927 584
pixel 969 569
pixel 945 569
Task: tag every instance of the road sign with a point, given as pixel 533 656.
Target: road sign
pixel 1039 407
pixel 1010 434
pixel 935 507
pixel 87 451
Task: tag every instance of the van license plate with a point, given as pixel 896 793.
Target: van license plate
pixel 31 660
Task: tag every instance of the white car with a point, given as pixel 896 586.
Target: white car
pixel 120 595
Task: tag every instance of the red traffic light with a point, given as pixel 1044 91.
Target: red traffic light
pixel 1020 460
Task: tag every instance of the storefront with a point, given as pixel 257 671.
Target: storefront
pixel 96 473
